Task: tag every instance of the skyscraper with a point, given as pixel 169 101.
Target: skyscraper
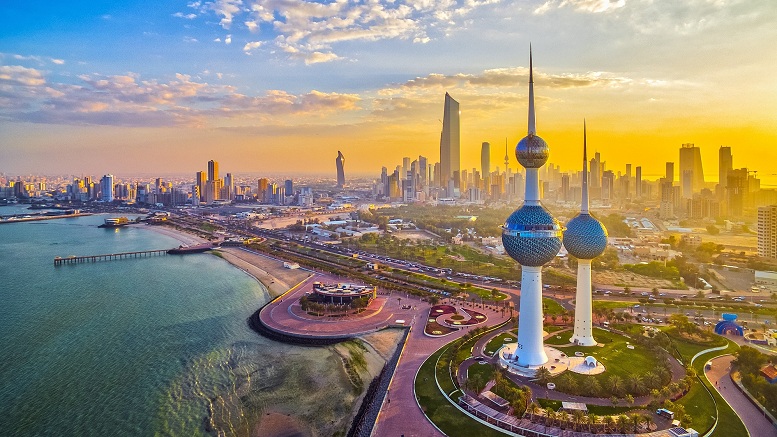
pixel 767 231
pixel 450 147
pixel 585 238
pixel 532 237
pixel 340 164
pixel 691 172
pixel 485 159
pixel 725 165
pixel 638 182
pixel 106 188
pixel 669 172
pixel 200 179
pixel 213 170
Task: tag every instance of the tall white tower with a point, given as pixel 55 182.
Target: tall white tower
pixel 532 237
pixel 585 238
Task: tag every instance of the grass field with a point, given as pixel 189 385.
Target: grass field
pixel 551 307
pixel 616 357
pixel 444 415
pixel 497 342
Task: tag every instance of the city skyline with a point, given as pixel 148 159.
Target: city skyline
pixel 181 80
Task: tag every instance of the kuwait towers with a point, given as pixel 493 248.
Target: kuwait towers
pixel 585 238
pixel 532 237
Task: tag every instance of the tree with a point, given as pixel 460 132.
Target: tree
pixel 532 409
pixel 578 417
pixel 542 374
pixel 550 416
pixel 614 400
pixel 630 399
pixel 609 423
pixel 635 384
pixel 593 419
pixel 635 420
pixel 615 384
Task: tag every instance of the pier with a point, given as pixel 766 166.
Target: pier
pixel 58 261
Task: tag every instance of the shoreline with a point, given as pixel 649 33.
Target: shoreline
pixel 255 266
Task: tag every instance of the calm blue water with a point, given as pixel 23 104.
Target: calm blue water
pixel 120 348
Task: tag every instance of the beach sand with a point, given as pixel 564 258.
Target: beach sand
pixel 268 271
pixel 183 237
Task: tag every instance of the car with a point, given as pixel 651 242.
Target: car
pixel 636 306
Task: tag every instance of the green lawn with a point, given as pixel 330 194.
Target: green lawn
pixel 484 371
pixel 698 402
pixel 614 355
pixel 551 307
pixel 444 415
pixel 495 343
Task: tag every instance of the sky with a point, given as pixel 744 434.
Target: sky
pixel 279 86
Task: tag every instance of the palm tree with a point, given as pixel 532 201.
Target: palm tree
pixel 615 384
pixel 623 423
pixel 614 401
pixel 635 420
pixel 651 380
pixel 593 419
pixel 532 410
pixel 542 375
pixel 578 417
pixel 630 399
pixel 634 383
pixel 647 419
pixel 609 423
pixel 550 416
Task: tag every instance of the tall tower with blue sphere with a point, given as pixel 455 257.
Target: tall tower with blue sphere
pixel 532 237
pixel 585 238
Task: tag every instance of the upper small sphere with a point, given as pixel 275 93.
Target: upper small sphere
pixel 585 237
pixel 532 151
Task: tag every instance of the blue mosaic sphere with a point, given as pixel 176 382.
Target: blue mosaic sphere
pixel 585 237
pixel 532 236
pixel 532 151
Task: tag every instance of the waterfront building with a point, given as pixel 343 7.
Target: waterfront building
pixel 450 146
pixel 340 164
pixel 106 188
pixel 767 231
pixel 200 180
pixel 341 294
pixel 532 237
pixel 585 238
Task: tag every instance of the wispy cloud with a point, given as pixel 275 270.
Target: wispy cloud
pixel 189 16
pixel 589 6
pixel 127 100
pixel 308 30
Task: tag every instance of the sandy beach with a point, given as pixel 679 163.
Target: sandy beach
pixel 269 272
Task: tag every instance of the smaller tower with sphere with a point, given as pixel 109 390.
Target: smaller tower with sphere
pixel 585 238
pixel 532 237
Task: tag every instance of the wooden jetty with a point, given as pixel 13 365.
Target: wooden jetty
pixel 58 261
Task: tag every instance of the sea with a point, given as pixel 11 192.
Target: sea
pixel 133 347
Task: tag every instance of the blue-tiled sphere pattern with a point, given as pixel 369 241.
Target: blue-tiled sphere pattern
pixel 532 151
pixel 531 236
pixel 585 237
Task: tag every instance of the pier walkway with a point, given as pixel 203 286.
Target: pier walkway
pixel 58 261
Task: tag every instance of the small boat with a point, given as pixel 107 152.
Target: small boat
pixel 184 249
pixel 115 222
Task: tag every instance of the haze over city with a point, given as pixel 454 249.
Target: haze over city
pixel 265 86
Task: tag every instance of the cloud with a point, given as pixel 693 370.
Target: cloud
pixel 251 46
pixel 228 39
pixel 588 6
pixel 308 30
pixel 18 75
pixel 190 16
pixel 128 100
pixel 58 61
pixel 189 39
pixel 227 9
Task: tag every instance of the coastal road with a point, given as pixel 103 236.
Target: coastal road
pixel 400 414
pixel 720 377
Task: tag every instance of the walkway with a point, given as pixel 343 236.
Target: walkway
pixel 720 377
pixel 400 414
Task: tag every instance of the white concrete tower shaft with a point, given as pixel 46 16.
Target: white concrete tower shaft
pixel 583 332
pixel 531 350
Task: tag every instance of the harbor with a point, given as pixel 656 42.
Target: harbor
pixel 21 218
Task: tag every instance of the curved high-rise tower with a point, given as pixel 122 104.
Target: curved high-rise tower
pixel 585 238
pixel 340 164
pixel 532 237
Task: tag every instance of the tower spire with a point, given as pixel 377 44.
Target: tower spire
pixel 507 155
pixel 584 204
pixel 532 122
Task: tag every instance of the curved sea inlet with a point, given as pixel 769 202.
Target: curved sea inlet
pixel 149 346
